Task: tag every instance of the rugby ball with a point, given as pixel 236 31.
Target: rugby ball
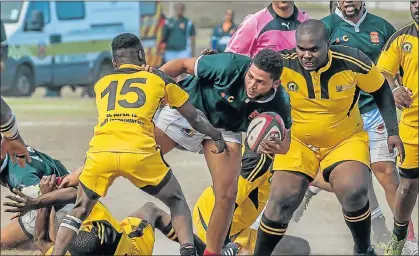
pixel 267 125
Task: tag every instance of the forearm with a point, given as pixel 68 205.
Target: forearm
pixel 41 229
pixel 391 80
pixel 58 197
pixel 8 126
pixel 5 112
pixel 177 67
pixel 202 125
pixel 386 106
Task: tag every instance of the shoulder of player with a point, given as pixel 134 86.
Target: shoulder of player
pixel 289 58
pixel 407 30
pixel 165 78
pixel 225 60
pixel 380 23
pixel 353 58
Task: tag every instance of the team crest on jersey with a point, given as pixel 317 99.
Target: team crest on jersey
pixel 292 86
pixel 374 37
pixel 343 87
pixel 407 46
pixel 226 97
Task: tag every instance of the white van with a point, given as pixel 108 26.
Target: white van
pixel 61 43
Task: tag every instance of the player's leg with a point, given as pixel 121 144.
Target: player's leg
pixel 292 174
pixel 13 235
pixel 224 169
pixel 97 175
pixel 165 143
pixel 346 168
pixel 408 189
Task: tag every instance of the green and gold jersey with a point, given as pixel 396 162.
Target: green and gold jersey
pixel 369 35
pixel 218 90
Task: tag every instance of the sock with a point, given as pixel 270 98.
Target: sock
pixel 169 232
pixel 188 249
pixel 269 235
pixel 359 225
pixel 377 212
pixel 199 245
pixel 314 190
pixel 208 253
pixel 411 236
pixel 400 230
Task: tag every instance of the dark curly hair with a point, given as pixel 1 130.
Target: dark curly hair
pixel 127 45
pixel 269 61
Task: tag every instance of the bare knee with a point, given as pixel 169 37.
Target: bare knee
pixel 283 203
pixel 353 197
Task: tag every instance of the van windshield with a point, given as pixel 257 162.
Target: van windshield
pixel 10 11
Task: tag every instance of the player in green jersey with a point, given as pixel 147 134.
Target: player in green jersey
pixel 229 89
pixel 26 179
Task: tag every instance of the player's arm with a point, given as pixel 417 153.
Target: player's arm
pixel 42 225
pixel 177 67
pixel 243 40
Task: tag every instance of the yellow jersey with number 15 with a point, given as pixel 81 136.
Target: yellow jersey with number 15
pixel 126 101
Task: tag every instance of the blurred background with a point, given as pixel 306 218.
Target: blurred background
pixel 56 45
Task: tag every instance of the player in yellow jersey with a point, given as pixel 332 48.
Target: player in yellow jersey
pixel 324 83
pixel 123 143
pixel 402 51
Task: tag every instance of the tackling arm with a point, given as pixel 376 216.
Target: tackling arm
pixel 177 67
pixel 42 225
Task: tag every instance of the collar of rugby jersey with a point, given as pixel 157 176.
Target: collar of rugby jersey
pixel 326 67
pixel 417 25
pixel 3 165
pixel 130 66
pixel 357 25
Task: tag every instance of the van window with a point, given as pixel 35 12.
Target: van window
pixel 42 6
pixel 70 10
pixel 147 8
pixel 10 11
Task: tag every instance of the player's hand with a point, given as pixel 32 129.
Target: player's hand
pixel 47 184
pixel 395 142
pixel 70 180
pixel 148 68
pixel 207 51
pixel 402 97
pixel 20 204
pixel 220 145
pixel 275 145
pixel 16 149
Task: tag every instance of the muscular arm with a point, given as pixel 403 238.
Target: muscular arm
pixel 57 197
pixel 177 67
pixel 386 105
pixel 42 239
pixel 198 122
pixel 5 112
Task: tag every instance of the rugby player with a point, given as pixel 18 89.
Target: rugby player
pixel 352 25
pixel 272 27
pixel 12 143
pixel 229 89
pixel 123 143
pixel 324 83
pixel 26 179
pixel 401 51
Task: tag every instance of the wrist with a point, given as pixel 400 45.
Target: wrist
pixel 396 88
pixel 218 137
pixel 10 130
pixel 393 131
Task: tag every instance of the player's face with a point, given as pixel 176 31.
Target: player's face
pixel 414 9
pixel 350 8
pixel 284 5
pixel 258 82
pixel 312 51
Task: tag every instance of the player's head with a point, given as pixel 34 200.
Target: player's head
pixel 414 9
pixel 312 44
pixel 350 9
pixel 333 6
pixel 179 9
pixel 284 5
pixel 127 49
pixel 263 74
pixel 229 15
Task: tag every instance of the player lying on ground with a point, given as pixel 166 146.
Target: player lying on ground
pixel 12 142
pixel 401 52
pixel 369 33
pixel 228 89
pixel 324 83
pixel 26 179
pixel 123 143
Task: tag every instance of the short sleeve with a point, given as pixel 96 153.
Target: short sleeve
pixel 389 60
pixel 369 78
pixel 175 96
pixel 243 39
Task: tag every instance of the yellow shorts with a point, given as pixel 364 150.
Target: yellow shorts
pixel 102 168
pixel 410 137
pixel 309 160
pixel 141 245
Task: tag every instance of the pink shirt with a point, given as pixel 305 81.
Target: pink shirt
pixel 265 29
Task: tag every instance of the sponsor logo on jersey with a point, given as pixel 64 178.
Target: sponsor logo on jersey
pixel 407 46
pixel 226 97
pixel 188 132
pixel 343 87
pixel 374 37
pixel 292 86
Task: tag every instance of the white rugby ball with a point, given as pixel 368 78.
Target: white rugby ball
pixel 267 125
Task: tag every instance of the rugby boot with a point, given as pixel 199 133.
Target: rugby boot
pixel 395 246
pixel 370 252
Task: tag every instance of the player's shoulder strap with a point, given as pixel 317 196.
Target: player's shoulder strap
pixel 353 58
pixel 409 29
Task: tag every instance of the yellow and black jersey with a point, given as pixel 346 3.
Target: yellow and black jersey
pixel 126 101
pixel 402 51
pixel 324 102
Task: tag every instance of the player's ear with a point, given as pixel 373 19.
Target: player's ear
pixel 114 63
pixel 276 84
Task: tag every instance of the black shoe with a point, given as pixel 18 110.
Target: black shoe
pixel 370 252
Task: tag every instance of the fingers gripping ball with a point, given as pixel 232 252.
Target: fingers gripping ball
pixel 267 125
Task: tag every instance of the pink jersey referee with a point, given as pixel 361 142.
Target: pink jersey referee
pixel 266 29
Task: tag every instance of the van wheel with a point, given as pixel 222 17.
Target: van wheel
pixel 23 82
pixel 105 69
